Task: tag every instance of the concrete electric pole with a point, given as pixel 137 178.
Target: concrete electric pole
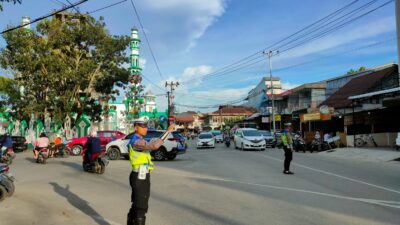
pixel 172 86
pixel 270 54
pixel 398 32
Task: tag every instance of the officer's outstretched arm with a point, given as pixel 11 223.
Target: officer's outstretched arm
pixel 143 145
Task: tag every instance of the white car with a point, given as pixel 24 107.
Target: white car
pixel 249 138
pixel 217 136
pixel 173 146
pixel 205 140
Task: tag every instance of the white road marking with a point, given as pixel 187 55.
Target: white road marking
pixel 337 175
pixel 392 204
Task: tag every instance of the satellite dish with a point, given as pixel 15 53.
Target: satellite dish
pixel 324 109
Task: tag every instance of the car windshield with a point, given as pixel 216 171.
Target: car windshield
pixel 266 133
pixel 215 133
pixel 177 134
pixel 205 136
pixel 251 133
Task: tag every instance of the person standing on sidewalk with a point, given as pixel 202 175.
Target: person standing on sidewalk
pixel 139 179
pixel 287 141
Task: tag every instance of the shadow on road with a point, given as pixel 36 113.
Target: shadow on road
pixel 75 166
pixel 203 213
pixel 79 203
pixel 30 159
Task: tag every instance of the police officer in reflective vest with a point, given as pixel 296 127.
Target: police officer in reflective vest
pixel 287 141
pixel 139 179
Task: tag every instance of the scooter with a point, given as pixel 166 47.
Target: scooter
pixel 60 151
pixel 227 142
pixel 299 144
pixel 7 155
pixel 7 187
pixel 43 156
pixel 100 161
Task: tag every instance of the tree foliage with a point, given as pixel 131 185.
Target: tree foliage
pixel 8 92
pixel 13 1
pixel 65 67
pixel 361 69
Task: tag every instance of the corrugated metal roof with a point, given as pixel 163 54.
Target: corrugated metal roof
pixel 357 86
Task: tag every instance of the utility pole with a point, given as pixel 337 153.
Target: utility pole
pixel 270 54
pixel 398 32
pixel 170 95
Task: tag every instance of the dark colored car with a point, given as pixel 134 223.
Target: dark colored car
pixel 76 144
pixel 269 138
pixel 278 140
pixel 19 143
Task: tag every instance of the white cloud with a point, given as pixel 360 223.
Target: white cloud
pixel 142 63
pixel 180 23
pixel 288 86
pixel 344 36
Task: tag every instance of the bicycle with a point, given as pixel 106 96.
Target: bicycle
pixel 362 140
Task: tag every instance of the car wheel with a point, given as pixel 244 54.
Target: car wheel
pixel 3 193
pixel 171 156
pixel 76 150
pixel 160 154
pixel 114 154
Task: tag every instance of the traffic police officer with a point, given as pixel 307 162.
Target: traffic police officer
pixel 287 141
pixel 139 179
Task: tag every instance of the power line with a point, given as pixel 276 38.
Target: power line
pixel 323 34
pixel 324 24
pixel 106 7
pixel 223 69
pixel 324 57
pixel 44 17
pixel 331 29
pixel 75 8
pixel 156 85
pixel 147 40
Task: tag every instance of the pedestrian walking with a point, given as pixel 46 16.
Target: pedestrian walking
pixel 139 179
pixel 287 141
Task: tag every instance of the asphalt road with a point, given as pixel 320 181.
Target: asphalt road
pixel 210 186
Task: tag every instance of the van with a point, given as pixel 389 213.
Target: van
pixel 249 138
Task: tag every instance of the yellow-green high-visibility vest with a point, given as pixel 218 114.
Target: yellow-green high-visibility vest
pixel 138 158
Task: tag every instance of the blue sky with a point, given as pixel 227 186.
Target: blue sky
pixel 191 38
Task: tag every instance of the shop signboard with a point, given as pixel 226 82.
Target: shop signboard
pixel 310 117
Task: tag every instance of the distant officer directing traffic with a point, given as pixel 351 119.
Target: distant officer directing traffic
pixel 287 141
pixel 139 179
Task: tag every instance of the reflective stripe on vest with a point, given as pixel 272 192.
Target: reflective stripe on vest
pixel 139 158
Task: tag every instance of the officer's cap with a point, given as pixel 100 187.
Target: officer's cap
pixel 141 121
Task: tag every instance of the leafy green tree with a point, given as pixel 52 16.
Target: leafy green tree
pixel 361 69
pixel 13 1
pixel 8 92
pixel 65 67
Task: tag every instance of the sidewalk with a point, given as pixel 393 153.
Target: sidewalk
pixel 367 154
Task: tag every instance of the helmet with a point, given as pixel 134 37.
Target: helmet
pixel 141 121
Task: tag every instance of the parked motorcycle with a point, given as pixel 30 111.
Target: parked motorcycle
pixel 299 144
pixel 43 156
pixel 100 161
pixel 7 187
pixel 7 155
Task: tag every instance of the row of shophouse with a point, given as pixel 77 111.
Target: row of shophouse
pixel 351 105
